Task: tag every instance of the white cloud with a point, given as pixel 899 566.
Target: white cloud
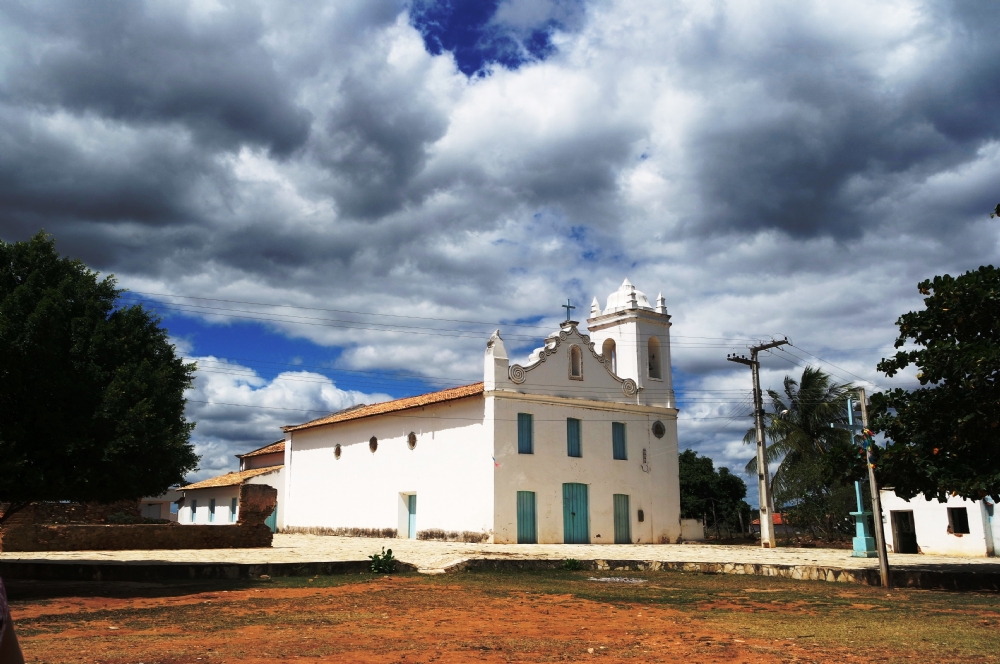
pixel 237 410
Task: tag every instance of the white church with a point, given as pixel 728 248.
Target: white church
pixel 578 445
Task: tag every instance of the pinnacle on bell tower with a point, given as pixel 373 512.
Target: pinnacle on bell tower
pixel 635 336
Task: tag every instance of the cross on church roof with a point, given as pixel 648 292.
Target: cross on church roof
pixel 568 307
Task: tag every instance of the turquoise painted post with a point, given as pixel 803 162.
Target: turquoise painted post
pixel 527 531
pixel 412 508
pixel 864 543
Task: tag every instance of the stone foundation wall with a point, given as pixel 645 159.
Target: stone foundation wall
pixel 82 537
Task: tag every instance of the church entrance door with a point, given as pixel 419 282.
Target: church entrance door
pixel 576 514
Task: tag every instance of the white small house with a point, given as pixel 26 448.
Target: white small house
pixel 163 506
pixel 957 527
pixel 216 500
pixel 577 445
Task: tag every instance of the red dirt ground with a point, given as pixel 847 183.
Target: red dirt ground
pixel 394 619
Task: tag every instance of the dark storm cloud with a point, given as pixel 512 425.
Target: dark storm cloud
pixel 808 116
pixel 155 63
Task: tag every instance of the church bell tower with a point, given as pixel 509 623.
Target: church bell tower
pixel 634 336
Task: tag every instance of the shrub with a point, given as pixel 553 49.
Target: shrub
pixel 383 563
pixel 387 533
pixel 571 564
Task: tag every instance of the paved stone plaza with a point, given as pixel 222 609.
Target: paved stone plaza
pixel 438 557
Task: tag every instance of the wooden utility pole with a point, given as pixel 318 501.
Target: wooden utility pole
pixel 763 476
pixel 883 557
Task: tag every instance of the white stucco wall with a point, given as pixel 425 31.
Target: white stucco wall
pixel 223 500
pixel 655 492
pixel 450 471
pixel 931 524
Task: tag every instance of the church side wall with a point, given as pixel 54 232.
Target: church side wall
pixel 450 471
pixel 655 492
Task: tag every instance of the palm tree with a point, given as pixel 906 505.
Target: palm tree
pixel 805 424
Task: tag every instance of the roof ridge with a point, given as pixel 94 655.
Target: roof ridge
pixel 394 405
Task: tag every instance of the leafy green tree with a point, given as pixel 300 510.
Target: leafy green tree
pixel 716 496
pixel 91 392
pixel 805 435
pixel 943 438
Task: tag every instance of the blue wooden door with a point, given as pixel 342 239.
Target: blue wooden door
pixel 412 507
pixel 272 521
pixel 623 519
pixel 576 516
pixel 527 532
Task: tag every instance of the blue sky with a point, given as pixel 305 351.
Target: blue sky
pixel 441 169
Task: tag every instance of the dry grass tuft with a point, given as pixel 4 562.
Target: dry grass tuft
pixel 341 532
pixel 452 536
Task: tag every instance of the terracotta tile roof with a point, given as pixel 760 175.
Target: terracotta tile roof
pixel 392 406
pixel 273 448
pixel 777 518
pixel 230 479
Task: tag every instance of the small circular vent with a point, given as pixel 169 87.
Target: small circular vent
pixel 659 429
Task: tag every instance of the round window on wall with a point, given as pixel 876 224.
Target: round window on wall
pixel 336 451
pixel 373 443
pixel 659 429
pixel 411 440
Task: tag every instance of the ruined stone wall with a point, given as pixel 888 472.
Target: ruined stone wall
pixel 72 527
pixel 99 537
pixel 54 512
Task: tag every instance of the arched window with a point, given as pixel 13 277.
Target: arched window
pixel 575 362
pixel 610 354
pixel 653 353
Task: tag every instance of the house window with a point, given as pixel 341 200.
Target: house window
pixel 618 441
pixel 232 510
pixel 336 451
pixel 958 520
pixel 194 511
pixel 573 446
pixel 174 508
pixel 373 444
pixel 211 511
pixel 411 440
pixel 576 363
pixel 610 354
pixel 525 433
pixel 653 355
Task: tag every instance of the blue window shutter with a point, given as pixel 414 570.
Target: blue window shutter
pixel 527 531
pixel 618 446
pixel 525 433
pixel 573 447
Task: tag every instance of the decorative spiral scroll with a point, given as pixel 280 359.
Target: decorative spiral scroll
pixel 629 388
pixel 516 374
